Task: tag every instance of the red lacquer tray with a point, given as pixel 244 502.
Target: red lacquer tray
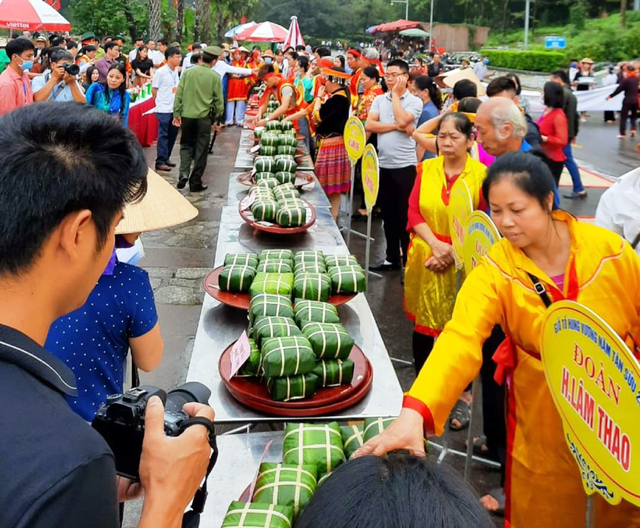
pixel 276 229
pixel 246 178
pixel 253 392
pixel 242 300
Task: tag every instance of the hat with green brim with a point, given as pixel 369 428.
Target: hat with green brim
pixel 89 35
pixel 214 51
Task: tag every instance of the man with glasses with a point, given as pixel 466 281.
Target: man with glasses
pixel 393 116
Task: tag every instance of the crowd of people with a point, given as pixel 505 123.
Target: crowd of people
pixel 433 134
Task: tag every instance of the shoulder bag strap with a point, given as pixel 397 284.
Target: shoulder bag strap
pixel 636 241
pixel 540 290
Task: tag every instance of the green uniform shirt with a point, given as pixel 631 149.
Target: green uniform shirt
pixel 199 90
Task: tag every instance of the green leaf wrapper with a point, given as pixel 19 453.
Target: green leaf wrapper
pixel 287 356
pixel 236 279
pixel 274 283
pixel 347 280
pixel 334 372
pixel 265 164
pixel 315 257
pixel 268 182
pixel 264 210
pixel 312 287
pixel 282 254
pixel 286 150
pixel 328 340
pixel 286 485
pixel 270 327
pixel 251 367
pixel 286 165
pixel 352 439
pixel 293 387
pixel 374 426
pixel 268 305
pixel 318 312
pixel 291 216
pixel 257 515
pixel 241 259
pixel 285 177
pixel 336 261
pixel 316 444
pixel 274 266
pixel 263 176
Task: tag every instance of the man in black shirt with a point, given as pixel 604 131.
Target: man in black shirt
pixel 61 196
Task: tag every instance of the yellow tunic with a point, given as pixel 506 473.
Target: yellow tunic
pixel 429 297
pixel 543 484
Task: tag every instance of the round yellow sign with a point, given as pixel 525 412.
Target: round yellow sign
pixel 481 234
pixel 459 209
pixel 370 177
pixel 594 378
pixel 355 139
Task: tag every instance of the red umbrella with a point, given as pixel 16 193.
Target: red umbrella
pixel 294 36
pixel 398 25
pixel 31 15
pixel 263 32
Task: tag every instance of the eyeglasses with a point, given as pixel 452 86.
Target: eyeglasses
pixel 392 75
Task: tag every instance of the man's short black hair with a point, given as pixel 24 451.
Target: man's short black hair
pixel 151 40
pixel 562 75
pixel 264 70
pixel 195 58
pixel 196 45
pixel 464 88
pixel 501 84
pixel 71 44
pixel 293 55
pixel 110 45
pixel 323 51
pixel 163 41
pixel 19 46
pixel 57 41
pixel 171 52
pixel 300 47
pixel 51 171
pixel 138 39
pixel 58 54
pixel 404 67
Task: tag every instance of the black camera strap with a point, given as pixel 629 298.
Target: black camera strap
pixel 191 519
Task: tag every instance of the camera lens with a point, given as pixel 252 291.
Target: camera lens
pixel 185 393
pixel 72 69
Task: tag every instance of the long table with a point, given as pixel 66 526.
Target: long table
pixel 144 125
pixel 244 159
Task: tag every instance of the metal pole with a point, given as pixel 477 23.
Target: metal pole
pixel 591 512
pixel 367 246
pixel 636 5
pixel 431 27
pixel 406 13
pixel 526 24
pixel 467 463
pixel 350 211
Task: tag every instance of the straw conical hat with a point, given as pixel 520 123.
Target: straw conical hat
pixel 162 206
pixel 450 78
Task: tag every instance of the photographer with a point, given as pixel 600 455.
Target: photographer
pixel 58 235
pixel 58 83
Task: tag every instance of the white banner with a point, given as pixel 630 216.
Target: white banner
pixel 588 101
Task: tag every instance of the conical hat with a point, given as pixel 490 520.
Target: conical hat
pixel 162 206
pixel 450 78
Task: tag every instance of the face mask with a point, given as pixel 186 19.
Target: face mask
pixel 226 54
pixel 267 60
pixel 486 61
pixel 26 65
pixel 574 66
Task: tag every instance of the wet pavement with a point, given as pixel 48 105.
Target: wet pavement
pixel 177 260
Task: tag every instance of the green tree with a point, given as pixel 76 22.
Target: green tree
pixel 108 17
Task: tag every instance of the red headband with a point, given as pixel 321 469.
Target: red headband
pixel 355 53
pixel 378 63
pixel 269 75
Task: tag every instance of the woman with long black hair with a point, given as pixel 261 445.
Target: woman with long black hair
pixel 111 96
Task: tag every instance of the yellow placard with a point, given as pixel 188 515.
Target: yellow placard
pixel 481 234
pixel 370 177
pixel 355 139
pixel 459 209
pixel 593 378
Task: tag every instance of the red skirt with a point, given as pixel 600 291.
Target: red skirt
pixel 332 166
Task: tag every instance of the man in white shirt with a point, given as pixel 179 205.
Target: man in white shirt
pixel 159 57
pixel 394 116
pixel 132 54
pixel 186 63
pixel 163 88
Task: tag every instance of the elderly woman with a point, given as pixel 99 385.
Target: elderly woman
pixel 330 117
pixel 570 260
pixel 430 278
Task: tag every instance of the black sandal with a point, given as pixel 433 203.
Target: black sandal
pixel 462 413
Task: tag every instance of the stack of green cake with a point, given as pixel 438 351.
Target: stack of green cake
pixel 277 203
pixel 347 276
pixel 238 273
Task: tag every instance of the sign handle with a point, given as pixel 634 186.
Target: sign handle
pixel 367 245
pixel 350 211
pixel 591 512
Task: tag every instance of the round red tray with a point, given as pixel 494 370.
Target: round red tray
pixel 242 300
pixel 246 178
pixel 298 155
pixel 251 112
pixel 276 228
pixel 253 392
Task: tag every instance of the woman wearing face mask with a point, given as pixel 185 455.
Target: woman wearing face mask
pixel 571 260
pixel 111 96
pixel 237 92
pixel 430 281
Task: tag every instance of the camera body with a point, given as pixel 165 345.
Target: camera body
pixel 71 68
pixel 120 420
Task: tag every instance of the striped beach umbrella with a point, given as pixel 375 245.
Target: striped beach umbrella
pixel 294 36
pixel 263 32
pixel 238 29
pixel 31 15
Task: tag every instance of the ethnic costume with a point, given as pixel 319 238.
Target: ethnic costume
pixel 366 101
pixel 332 165
pixel 543 486
pixel 237 93
pixel 429 297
